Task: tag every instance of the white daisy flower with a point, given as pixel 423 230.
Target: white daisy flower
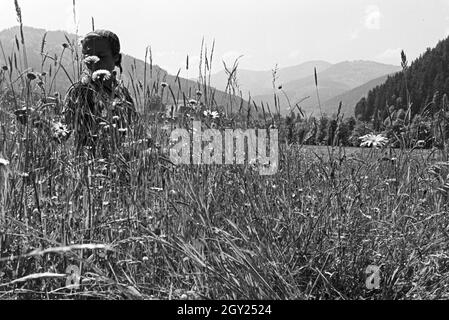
pixel 91 60
pixel 421 144
pixel 215 115
pixel 4 162
pixel 212 114
pixel 372 140
pixel 101 75
pixel 59 130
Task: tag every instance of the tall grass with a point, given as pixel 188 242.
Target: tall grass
pixel 139 227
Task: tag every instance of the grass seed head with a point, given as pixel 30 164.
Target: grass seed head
pixel 31 76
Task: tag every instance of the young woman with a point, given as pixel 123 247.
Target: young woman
pixel 99 107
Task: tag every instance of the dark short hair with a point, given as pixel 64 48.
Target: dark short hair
pixel 111 37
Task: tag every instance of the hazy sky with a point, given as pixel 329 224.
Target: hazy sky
pixel 266 32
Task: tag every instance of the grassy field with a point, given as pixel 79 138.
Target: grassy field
pixel 309 231
pixel 131 225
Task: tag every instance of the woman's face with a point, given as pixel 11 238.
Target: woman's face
pixel 101 48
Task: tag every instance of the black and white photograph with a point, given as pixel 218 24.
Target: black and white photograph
pixel 252 151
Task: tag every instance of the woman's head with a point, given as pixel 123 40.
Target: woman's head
pixel 106 46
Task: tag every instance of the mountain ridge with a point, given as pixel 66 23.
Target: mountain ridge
pixel 333 81
pixel 298 82
pixel 257 82
pixel 350 98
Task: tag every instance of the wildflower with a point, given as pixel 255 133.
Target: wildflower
pixel 193 102
pixel 164 84
pixel 421 144
pixel 199 93
pixel 215 115
pixel 65 45
pixel 4 162
pixel 371 140
pixel 145 259
pixel 212 114
pixel 123 130
pixel 31 76
pixel 5 68
pixel 91 60
pixel 116 118
pixel 59 130
pixel 23 174
pixel 85 79
pixel 101 75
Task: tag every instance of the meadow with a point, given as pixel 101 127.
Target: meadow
pixel 131 225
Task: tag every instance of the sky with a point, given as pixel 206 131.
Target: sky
pixel 265 32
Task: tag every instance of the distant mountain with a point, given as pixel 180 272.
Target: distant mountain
pixel 259 82
pixel 332 81
pixel 356 73
pixel 350 98
pixel 133 68
pixel 299 90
